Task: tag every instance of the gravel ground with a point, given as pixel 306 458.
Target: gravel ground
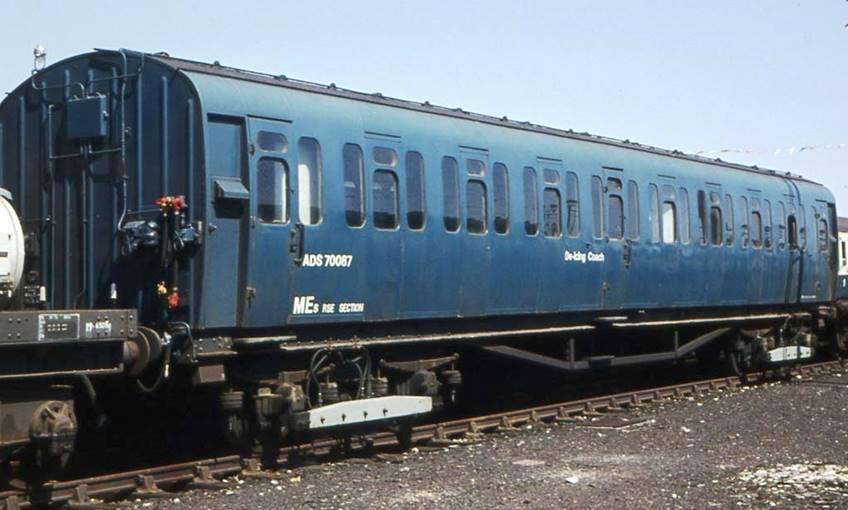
pixel 776 445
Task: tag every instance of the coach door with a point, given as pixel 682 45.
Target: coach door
pixel 226 213
pixel 617 257
pixel 269 261
pixel 796 253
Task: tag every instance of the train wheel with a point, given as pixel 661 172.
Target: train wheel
pixel 740 359
pixel 403 433
pixel 54 431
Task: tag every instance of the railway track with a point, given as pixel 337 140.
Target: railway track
pixel 207 473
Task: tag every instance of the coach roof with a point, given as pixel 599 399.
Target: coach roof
pixel 216 69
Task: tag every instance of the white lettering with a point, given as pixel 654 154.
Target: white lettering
pixel 327 260
pixel 304 305
pixel 582 256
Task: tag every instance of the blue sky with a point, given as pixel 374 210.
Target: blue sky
pixel 754 76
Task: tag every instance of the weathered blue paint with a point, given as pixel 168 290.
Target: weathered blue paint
pixel 191 124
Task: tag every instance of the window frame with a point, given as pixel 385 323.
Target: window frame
pixel 363 216
pixel 546 191
pixel 498 170
pixel 572 196
pixel 393 175
pixel 684 224
pixel 315 188
pixel 654 213
pixel 597 189
pixel 485 208
pixel 410 188
pixel 531 201
pixel 453 167
pixel 283 195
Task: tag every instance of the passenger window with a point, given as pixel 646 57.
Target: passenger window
pixel 632 210
pixel 615 228
pixel 715 219
pixel 728 221
pixel 309 198
pixel 702 216
pixel 552 213
pixel 597 207
pixel 654 213
pixel 416 211
pixel 475 167
pixel 823 241
pixel 792 227
pixel 450 193
pixel 743 213
pixel 767 242
pixel 271 142
pixel 572 202
pixel 531 212
pixel 683 197
pixel 475 202
pixel 354 195
pixel 668 222
pixel 272 191
pixel 551 176
pixel 384 156
pixel 500 180
pixel 756 229
pixel 385 196
pixel 781 225
pixel 802 228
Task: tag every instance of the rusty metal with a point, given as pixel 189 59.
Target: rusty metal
pixel 145 482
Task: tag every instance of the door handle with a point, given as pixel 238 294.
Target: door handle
pixel 627 252
pixel 296 243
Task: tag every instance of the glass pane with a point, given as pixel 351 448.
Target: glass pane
pixel 475 197
pixel 500 180
pixel 715 225
pixel 268 141
pixel 683 197
pixel 743 215
pixel 415 203
pixel 384 189
pixel 728 220
pixel 792 227
pixel 531 211
pixel 450 191
pixel 309 181
pixel 551 176
pixel 616 217
pixel 668 223
pixel 272 183
pixel 802 228
pixel 767 227
pixel 632 210
pixel 597 207
pixel 654 213
pixel 475 167
pixel 552 213
pixel 613 185
pixel 385 156
pixel 702 216
pixel 781 225
pixel 354 194
pixel 756 229
pixel 572 198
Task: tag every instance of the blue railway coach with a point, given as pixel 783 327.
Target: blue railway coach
pixel 270 231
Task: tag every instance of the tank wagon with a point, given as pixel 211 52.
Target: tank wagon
pixel 306 257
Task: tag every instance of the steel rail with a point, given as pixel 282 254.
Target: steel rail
pixel 206 473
